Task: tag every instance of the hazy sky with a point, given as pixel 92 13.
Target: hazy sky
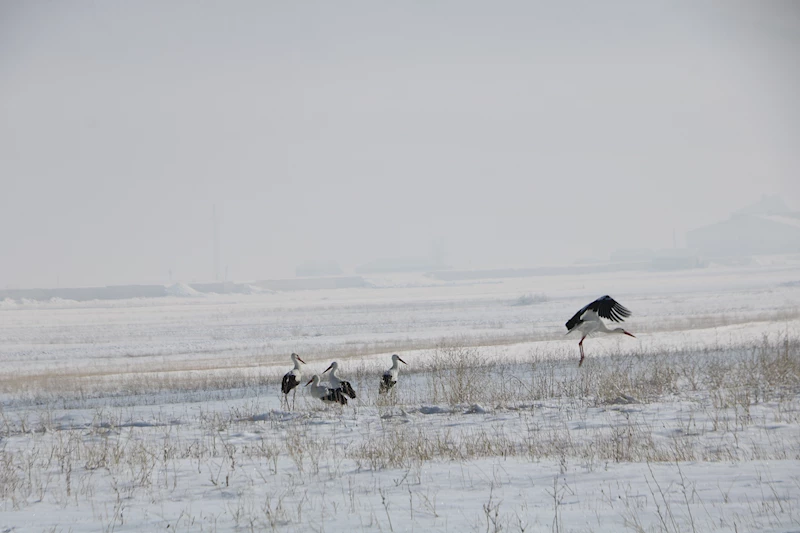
pixel 518 133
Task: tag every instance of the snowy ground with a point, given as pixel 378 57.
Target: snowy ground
pixel 164 414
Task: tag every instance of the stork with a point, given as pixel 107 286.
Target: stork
pixel 587 320
pixel 324 393
pixel 338 383
pixel 390 376
pixel 292 379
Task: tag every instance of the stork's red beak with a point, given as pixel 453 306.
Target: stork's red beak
pixel 629 334
pixel 402 361
pixel 298 358
pixel 309 382
pixel 328 368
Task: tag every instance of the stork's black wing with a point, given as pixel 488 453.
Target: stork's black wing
pixel 576 319
pixel 289 382
pixel 608 307
pixel 605 307
pixel 386 383
pixel 336 396
pixel 348 389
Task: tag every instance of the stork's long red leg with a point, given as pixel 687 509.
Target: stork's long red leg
pixel 581 346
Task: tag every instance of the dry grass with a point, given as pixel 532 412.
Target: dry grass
pixel 612 410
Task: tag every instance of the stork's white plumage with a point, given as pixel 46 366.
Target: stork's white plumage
pixel 389 379
pixel 587 320
pixel 292 379
pixel 337 382
pixel 327 395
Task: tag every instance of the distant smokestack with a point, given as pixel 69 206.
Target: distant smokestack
pixel 216 242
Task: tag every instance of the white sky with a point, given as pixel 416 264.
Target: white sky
pixel 518 134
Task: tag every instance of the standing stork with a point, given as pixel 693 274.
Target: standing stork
pixel 390 376
pixel 292 379
pixel 337 382
pixel 325 394
pixel 588 322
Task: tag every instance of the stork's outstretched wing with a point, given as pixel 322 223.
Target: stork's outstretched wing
pixel 605 307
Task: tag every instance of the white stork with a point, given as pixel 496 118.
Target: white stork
pixel 390 376
pixel 325 394
pixel 292 379
pixel 587 320
pixel 337 382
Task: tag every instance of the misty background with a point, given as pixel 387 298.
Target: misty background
pixel 499 134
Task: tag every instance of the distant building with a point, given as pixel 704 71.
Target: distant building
pixel 628 255
pixel 304 284
pixel 666 259
pixel 318 268
pixel 766 227
pixel 677 259
pixel 400 264
pixel 82 294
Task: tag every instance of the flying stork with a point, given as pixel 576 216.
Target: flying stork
pixel 324 393
pixel 390 376
pixel 587 320
pixel 338 383
pixel 292 379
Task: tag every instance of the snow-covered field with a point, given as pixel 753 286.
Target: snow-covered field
pixel 165 414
